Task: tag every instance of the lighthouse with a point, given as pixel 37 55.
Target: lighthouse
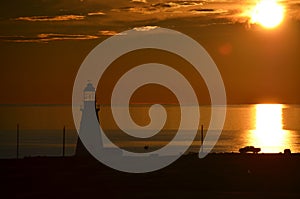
pixel 87 124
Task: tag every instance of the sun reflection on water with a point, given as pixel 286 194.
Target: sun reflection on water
pixel 269 134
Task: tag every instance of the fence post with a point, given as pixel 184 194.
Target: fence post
pixel 64 140
pixel 18 140
pixel 202 138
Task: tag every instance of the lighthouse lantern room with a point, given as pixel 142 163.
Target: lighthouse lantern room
pixel 89 92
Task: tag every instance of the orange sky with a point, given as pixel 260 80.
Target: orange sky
pixel 43 44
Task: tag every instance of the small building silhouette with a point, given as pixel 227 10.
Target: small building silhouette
pixel 287 152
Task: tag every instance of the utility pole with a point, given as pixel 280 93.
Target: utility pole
pixel 64 140
pixel 18 140
pixel 202 138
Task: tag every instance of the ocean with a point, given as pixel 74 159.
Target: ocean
pixel 272 127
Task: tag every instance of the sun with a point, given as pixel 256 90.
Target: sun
pixel 267 13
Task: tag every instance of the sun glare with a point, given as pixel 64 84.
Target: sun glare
pixel 267 13
pixel 268 117
pixel 269 134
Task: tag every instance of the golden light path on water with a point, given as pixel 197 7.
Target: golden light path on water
pixel 269 134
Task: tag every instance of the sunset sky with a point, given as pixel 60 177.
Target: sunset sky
pixel 43 43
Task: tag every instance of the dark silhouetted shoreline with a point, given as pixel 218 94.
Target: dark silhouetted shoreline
pixel 225 175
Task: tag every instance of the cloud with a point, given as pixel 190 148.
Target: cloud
pixel 139 1
pixel 172 6
pixel 51 18
pixel 131 13
pixel 145 28
pixel 229 10
pixel 47 37
pixel 138 29
pixel 292 9
pixel 208 11
pixel 95 13
pixel 107 32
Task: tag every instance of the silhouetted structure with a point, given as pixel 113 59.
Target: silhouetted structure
pixel 287 152
pixel 87 124
pixel 249 149
pixel 202 138
pixel 64 141
pixel 18 140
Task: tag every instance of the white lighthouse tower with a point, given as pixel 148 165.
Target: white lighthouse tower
pixel 87 124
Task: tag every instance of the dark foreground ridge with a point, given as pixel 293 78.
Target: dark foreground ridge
pixel 216 176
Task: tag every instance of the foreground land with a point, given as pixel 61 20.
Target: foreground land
pixel 216 176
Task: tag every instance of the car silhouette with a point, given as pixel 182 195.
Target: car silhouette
pixel 249 149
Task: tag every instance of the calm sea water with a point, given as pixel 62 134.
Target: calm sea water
pixel 273 128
